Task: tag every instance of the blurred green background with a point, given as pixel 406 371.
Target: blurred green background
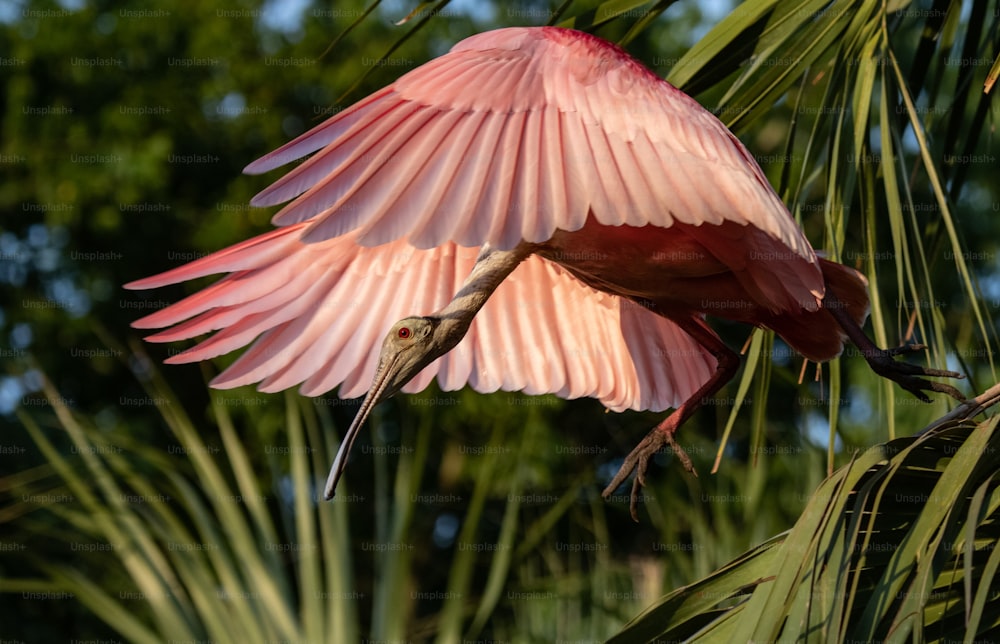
pixel 124 132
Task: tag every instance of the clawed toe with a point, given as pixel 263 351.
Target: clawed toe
pixel 905 349
pixel 638 462
pixel 883 362
pixel 907 375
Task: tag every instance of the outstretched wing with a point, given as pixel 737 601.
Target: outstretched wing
pixel 316 315
pixel 513 134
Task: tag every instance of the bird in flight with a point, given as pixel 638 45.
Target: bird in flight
pixel 541 213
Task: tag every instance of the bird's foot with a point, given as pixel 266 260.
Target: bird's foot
pixel 638 461
pixel 883 362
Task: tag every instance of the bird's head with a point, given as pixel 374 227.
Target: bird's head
pixel 410 345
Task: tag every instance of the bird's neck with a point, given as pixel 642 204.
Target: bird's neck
pixel 492 267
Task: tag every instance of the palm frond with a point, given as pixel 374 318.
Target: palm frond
pixel 900 541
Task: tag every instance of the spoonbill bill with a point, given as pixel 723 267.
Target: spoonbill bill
pixel 546 215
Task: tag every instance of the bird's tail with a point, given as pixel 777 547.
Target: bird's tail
pixel 816 334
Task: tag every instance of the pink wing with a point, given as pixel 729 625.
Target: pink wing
pixel 319 313
pixel 512 134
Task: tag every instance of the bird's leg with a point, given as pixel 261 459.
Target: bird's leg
pixel 883 362
pixel 663 434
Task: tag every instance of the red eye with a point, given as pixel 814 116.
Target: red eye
pixel 404 332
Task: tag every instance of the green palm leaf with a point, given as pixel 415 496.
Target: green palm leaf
pixel 899 543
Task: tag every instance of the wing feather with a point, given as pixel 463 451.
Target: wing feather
pixel 354 146
pixel 446 185
pixel 527 183
pixel 551 203
pixel 358 115
pixel 542 331
pixel 410 162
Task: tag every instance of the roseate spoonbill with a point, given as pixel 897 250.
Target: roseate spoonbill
pixel 596 213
